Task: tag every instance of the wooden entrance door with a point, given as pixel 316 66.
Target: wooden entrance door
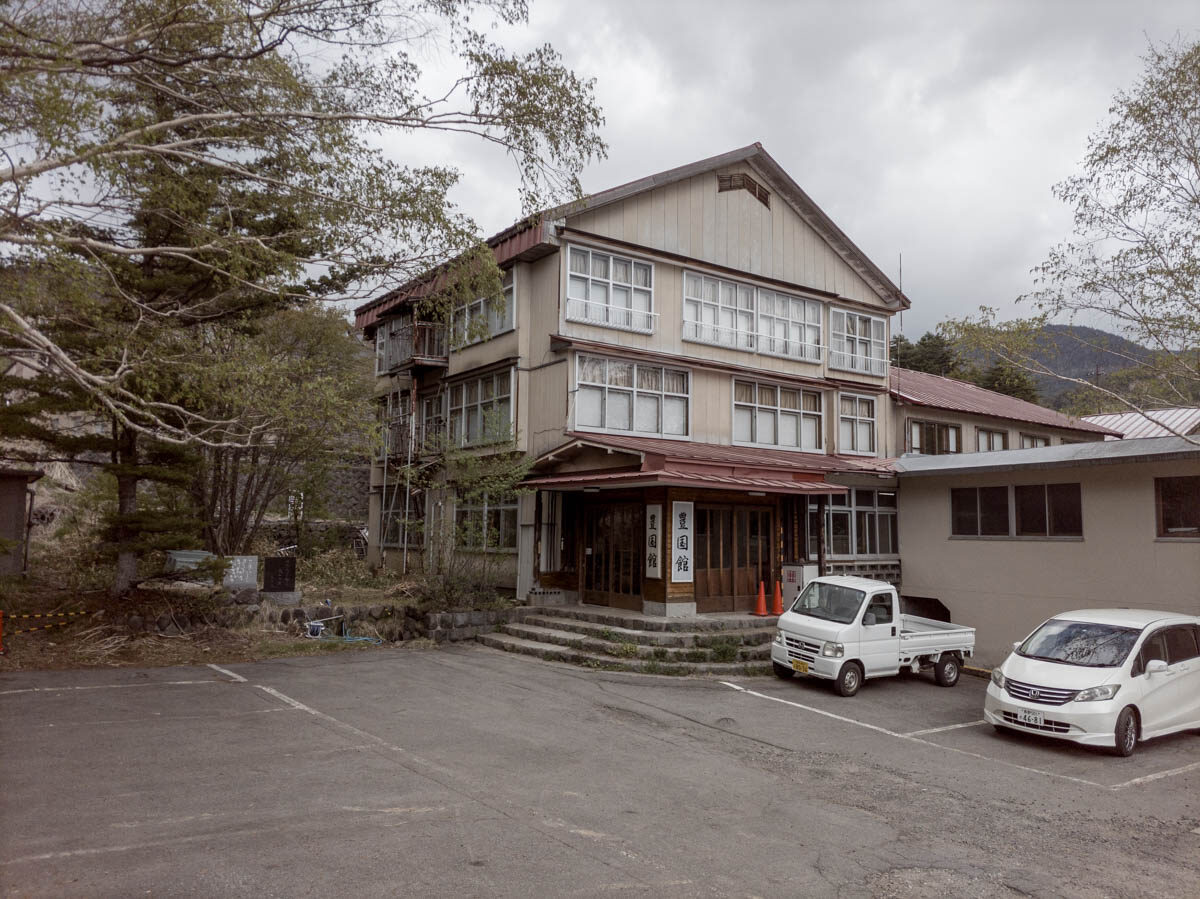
pixel 612 555
pixel 732 554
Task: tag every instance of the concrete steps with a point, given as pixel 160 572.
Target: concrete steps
pixel 627 641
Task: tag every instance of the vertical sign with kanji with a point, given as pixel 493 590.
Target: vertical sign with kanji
pixel 654 548
pixel 681 543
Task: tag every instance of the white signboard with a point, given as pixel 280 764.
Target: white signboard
pixel 681 542
pixel 654 548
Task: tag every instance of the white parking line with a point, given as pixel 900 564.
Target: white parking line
pixel 160 683
pixel 227 673
pixel 938 730
pixel 1161 774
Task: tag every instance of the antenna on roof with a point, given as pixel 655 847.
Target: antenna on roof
pixel 902 291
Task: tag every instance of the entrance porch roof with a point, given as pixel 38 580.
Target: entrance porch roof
pixel 654 462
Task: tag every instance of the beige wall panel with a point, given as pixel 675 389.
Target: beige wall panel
pixel 1005 588
pixel 502 347
pixel 658 216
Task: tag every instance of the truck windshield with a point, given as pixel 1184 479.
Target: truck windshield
pixel 1080 643
pixel 831 602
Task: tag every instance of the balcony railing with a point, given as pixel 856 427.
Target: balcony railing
pixel 622 318
pixel 416 344
pixel 425 438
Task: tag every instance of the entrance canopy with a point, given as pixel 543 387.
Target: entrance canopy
pixel 619 461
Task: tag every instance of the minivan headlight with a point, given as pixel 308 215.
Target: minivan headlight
pixel 832 650
pixel 998 678
pixel 1092 694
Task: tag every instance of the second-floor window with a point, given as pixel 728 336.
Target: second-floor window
pixel 769 415
pixel 857 342
pixel 481 410
pixel 718 311
pixel 987 440
pixel 934 438
pixel 789 326
pixel 484 318
pixel 1033 441
pixel 617 395
pixel 609 290
pixel 856 424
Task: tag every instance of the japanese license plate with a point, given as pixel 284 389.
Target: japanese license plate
pixel 1029 716
pixel 800 666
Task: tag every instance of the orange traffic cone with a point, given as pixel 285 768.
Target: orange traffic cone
pixel 760 608
pixel 777 605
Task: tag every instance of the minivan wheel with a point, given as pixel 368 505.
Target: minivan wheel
pixel 1126 732
pixel 849 679
pixel 783 672
pixel 946 670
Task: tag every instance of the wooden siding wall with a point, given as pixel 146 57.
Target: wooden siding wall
pixel 970 424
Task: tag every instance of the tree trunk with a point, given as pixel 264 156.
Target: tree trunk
pixel 127 483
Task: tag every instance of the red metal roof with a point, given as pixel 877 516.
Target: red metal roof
pixel 1155 423
pixel 923 389
pixel 684 463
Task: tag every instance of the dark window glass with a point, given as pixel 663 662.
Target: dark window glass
pixel 964 512
pixel 1155 647
pixel 993 511
pixel 1181 644
pixel 1066 512
pixel 841 533
pixel 1031 510
pixel 881 608
pixel 1178 506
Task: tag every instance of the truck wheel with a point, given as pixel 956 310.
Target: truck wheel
pixel 783 672
pixel 1126 732
pixel 946 671
pixel 849 679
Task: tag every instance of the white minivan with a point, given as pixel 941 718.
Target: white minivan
pixel 1101 677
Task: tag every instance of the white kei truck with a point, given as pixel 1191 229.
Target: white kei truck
pixel 848 629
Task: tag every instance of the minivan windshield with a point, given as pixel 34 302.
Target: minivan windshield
pixel 831 602
pixel 1082 643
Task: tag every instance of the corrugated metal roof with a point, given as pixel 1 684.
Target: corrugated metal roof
pixel 672 477
pixel 923 389
pixel 1155 423
pixel 1067 455
pixel 751 457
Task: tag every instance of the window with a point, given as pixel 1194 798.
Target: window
pixel 1048 510
pixel 484 318
pixel 481 410
pixel 881 608
pixel 717 311
pixel 1178 506
pixel 856 424
pixel 789 326
pixel 768 415
pixel 616 395
pixel 987 441
pixel 395 530
pixel 389 343
pixel 1181 644
pixel 1032 441
pixel 979 511
pixel 611 291
pixel 861 523
pixel 857 342
pixel 933 438
pixel 486 524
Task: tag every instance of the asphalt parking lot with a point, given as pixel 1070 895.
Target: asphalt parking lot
pixel 468 772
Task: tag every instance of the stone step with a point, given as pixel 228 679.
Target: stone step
pixel 554 652
pixel 638 621
pixel 617 647
pixel 753 636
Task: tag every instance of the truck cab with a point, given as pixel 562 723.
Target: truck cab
pixel 847 629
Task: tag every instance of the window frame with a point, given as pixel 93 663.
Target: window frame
pixel 978 514
pixel 459 439
pixel 582 317
pixel 952 431
pixel 634 391
pixel 847 508
pixel 991 433
pixel 463 315
pixel 694 330
pixel 777 410
pixel 1191 535
pixel 1012 513
pixel 808 351
pixel 844 359
pixel 874 419
pixel 485 507
pixel 1035 440
pixel 1047 512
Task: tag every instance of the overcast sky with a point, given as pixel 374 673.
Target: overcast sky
pixel 933 130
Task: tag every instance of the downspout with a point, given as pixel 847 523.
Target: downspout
pixel 412 433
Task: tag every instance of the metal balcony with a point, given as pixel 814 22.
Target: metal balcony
pixel 416 345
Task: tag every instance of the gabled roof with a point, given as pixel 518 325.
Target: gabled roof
pixel 531 237
pixel 919 388
pixel 1155 422
pixel 689 464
